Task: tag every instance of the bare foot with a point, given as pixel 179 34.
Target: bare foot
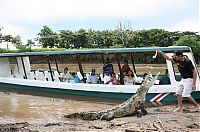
pixel 196 108
pixel 178 110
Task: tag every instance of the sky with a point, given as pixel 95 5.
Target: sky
pixel 27 17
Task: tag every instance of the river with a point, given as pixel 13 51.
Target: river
pixel 21 107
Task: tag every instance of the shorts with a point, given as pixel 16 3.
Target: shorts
pixel 185 87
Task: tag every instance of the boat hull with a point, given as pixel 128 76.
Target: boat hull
pixel 150 97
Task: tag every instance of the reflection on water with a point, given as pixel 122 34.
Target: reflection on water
pixel 20 106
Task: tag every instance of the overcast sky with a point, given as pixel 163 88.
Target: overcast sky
pixel 27 17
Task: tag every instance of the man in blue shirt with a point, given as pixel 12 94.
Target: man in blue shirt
pixel 108 66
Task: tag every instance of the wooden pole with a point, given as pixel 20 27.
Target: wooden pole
pixel 103 60
pixel 24 67
pixel 132 60
pixel 80 67
pixel 56 64
pixel 120 70
pixel 50 67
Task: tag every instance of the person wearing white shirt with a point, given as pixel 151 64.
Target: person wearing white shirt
pixel 93 79
pixel 106 78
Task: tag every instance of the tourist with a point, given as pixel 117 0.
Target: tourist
pixel 106 78
pixel 66 75
pixel 188 81
pixel 144 76
pixel 75 78
pixel 93 79
pixel 125 67
pixel 129 78
pixel 108 66
pixel 113 79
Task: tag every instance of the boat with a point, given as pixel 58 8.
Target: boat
pixel 28 79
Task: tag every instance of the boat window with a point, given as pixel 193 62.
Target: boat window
pixel 13 66
pixel 176 72
pixel 145 59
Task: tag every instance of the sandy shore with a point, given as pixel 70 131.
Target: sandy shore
pixel 158 119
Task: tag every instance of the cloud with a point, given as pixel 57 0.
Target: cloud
pixel 43 10
pixel 187 25
pixel 13 30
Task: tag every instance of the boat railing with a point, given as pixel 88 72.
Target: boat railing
pixel 57 77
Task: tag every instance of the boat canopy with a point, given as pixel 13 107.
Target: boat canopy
pixel 99 51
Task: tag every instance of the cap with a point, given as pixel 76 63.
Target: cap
pixel 178 53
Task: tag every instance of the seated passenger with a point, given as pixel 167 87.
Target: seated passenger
pixel 114 80
pixel 93 79
pixel 144 76
pixel 129 78
pixel 106 78
pixel 66 75
pixel 75 78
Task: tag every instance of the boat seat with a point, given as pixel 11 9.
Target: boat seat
pixel 40 76
pixel 19 76
pixel 56 79
pixel 47 75
pixel 31 76
pixel 37 72
pixel 56 74
pixel 163 79
pixel 178 77
pixel 79 75
pixel 87 77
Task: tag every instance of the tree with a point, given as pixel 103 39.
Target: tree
pixel 17 41
pixel 66 39
pixel 80 38
pixel 30 43
pixel 48 38
pixel 7 38
pixel 191 41
pixel 125 34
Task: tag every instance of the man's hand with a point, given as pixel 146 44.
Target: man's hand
pixel 193 87
pixel 159 51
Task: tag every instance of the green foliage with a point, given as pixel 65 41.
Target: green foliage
pixel 191 41
pixel 117 46
pixel 6 51
pixel 48 37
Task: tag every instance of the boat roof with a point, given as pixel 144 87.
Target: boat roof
pixel 99 51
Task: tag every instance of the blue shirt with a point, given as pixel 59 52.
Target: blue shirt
pixel 108 67
pixel 76 79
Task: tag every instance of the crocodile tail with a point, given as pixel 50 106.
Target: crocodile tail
pixel 84 115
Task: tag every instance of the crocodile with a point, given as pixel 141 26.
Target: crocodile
pixel 127 108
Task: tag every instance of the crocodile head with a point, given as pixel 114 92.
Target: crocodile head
pixel 147 83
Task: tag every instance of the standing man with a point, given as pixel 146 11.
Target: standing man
pixel 188 81
pixel 108 66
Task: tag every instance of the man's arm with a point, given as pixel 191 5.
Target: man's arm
pixel 194 79
pixel 165 55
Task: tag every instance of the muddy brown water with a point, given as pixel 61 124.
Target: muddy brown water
pixel 22 107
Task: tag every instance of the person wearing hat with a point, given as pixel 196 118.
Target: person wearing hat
pixel 188 81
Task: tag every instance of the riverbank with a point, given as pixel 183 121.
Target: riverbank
pixel 159 119
pixel 24 113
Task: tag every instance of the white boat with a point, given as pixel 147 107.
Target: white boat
pixel 48 81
